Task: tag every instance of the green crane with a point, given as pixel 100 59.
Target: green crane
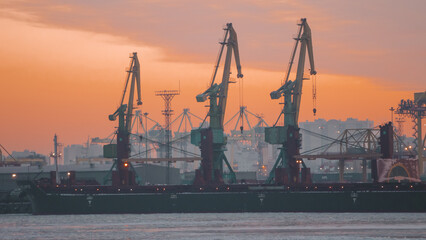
pixel 286 168
pixel 212 141
pixel 121 150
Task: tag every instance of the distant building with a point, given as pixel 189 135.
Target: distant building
pixel 72 152
pixel 26 157
pixel 24 154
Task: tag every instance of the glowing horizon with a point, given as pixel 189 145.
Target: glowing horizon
pixel 63 64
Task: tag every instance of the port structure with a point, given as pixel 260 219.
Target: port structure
pixel 243 118
pixel 121 151
pixel 212 141
pixel 361 144
pixel 183 134
pixel 350 145
pixel 167 96
pixel 416 109
pixel 140 138
pixel 286 168
pixel 251 137
pixel 184 120
pixel 151 138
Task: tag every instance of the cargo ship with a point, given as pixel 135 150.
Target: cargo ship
pixel 363 197
pixel 289 187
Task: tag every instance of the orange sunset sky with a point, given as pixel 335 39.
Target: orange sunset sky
pixel 62 63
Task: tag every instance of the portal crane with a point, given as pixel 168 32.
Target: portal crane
pixel 125 114
pixel 286 168
pixel 212 141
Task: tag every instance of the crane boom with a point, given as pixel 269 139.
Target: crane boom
pixel 232 46
pixel 306 44
pixel 135 72
pixel 294 88
pixel 218 93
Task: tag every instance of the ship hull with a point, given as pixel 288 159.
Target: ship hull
pixel 97 200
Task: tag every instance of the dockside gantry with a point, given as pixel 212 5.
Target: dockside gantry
pixel 286 168
pixel 212 141
pixel 121 151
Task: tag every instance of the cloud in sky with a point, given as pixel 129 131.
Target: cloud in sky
pixel 378 39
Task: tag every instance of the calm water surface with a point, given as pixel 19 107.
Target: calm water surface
pixel 217 226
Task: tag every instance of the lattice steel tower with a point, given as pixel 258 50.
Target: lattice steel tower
pixel 167 96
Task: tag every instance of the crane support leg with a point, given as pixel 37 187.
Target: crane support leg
pixel 213 156
pixel 233 178
pixel 287 161
pixel 277 163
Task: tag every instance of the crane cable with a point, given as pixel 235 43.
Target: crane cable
pixel 10 155
pixel 241 103
pixel 314 94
